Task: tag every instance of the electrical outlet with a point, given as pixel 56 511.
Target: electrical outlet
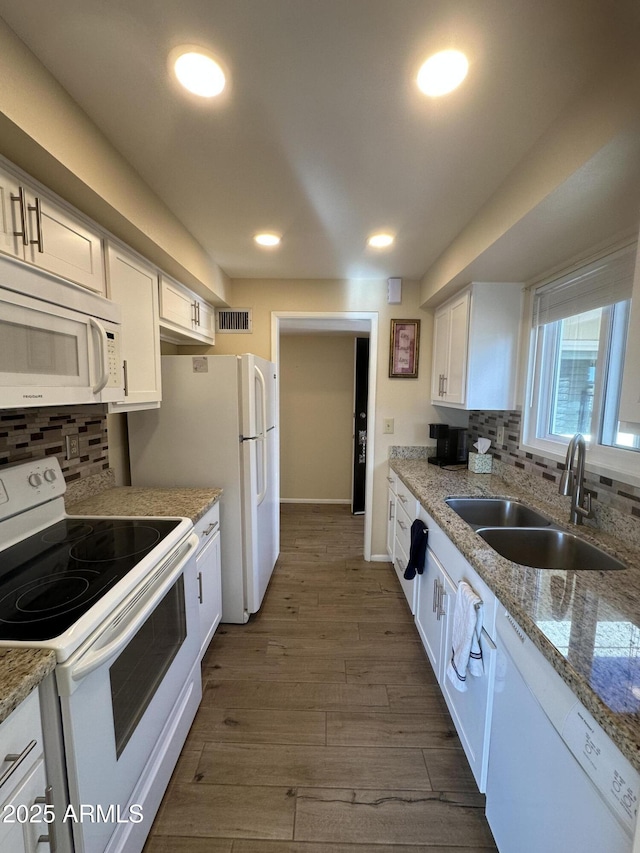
pixel 73 446
pixel 500 434
pixel 387 426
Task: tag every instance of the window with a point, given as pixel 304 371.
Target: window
pixel 578 341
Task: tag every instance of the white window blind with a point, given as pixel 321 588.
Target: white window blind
pixel 603 282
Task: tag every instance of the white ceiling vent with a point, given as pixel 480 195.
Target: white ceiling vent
pixel 236 320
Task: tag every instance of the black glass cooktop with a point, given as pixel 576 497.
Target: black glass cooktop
pixel 50 579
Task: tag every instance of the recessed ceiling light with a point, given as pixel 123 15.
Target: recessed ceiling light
pixel 198 71
pixel 380 241
pixel 268 239
pixel 442 72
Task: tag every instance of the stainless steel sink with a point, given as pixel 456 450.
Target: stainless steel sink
pixel 547 548
pixel 496 512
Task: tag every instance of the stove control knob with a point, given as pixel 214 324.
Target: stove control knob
pixel 50 475
pixel 35 480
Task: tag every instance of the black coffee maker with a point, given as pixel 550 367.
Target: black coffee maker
pixel 451 445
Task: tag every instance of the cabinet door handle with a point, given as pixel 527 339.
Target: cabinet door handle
pixel 198 313
pixel 125 371
pixel 16 760
pixel 441 610
pixel 390 511
pixel 200 587
pixel 50 837
pixel 435 594
pixel 23 216
pixel 210 528
pixel 444 386
pixel 38 212
pixel 194 315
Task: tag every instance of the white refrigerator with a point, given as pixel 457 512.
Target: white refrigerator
pixel 217 427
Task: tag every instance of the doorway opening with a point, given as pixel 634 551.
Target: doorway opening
pixel 356 324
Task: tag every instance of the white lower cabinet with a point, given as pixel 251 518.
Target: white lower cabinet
pixel 406 508
pixel 208 567
pixel 23 786
pixel 445 568
pixel 392 478
pixel 435 592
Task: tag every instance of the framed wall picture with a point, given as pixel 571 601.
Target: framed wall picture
pixel 404 349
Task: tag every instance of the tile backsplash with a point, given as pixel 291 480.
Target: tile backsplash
pixel 609 493
pixel 37 433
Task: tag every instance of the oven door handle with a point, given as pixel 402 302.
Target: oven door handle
pixel 92 660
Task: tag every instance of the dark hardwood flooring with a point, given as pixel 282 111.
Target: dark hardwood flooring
pixel 322 729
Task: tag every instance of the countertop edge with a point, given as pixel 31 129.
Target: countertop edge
pixel 21 671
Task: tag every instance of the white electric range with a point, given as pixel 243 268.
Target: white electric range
pixel 116 599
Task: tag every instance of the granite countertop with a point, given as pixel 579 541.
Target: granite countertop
pixel 190 503
pixel 21 670
pixel 586 623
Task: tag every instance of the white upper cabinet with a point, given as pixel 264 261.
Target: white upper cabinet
pixel 184 317
pixel 630 397
pixel 133 283
pixel 475 347
pixel 36 228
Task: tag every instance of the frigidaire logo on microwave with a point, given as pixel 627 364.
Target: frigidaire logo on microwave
pixel 32 396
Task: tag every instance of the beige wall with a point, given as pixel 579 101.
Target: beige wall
pixel 405 400
pixel 316 416
pixel 45 132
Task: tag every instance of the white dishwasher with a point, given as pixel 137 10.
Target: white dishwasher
pixel 556 783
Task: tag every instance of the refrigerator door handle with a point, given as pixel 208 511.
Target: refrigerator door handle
pixel 263 492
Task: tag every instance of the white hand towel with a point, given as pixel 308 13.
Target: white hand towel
pixel 466 654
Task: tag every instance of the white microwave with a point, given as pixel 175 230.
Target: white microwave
pixel 59 343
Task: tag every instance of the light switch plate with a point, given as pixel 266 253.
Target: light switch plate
pixel 500 434
pixel 387 426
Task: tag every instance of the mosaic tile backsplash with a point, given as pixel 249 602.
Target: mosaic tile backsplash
pixel 37 433
pixel 609 493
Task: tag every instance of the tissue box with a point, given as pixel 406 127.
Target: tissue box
pixel 480 463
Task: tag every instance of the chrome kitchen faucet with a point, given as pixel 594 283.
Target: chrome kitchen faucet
pixel 571 481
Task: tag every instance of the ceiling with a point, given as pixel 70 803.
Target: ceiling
pixel 322 134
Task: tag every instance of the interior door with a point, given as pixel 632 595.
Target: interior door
pixel 361 398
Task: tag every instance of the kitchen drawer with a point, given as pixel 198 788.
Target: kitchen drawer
pixel 20 735
pixel 403 528
pixel 406 500
pixel 392 480
pixel 207 526
pixel 408 587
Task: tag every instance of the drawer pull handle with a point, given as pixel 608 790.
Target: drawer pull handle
pixel 50 838
pixel 16 760
pixel 402 498
pixel 210 528
pixel 402 524
pixel 200 587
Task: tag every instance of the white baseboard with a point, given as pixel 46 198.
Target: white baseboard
pixel 314 501
pixel 380 558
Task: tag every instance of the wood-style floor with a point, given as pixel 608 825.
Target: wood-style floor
pixel 322 729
